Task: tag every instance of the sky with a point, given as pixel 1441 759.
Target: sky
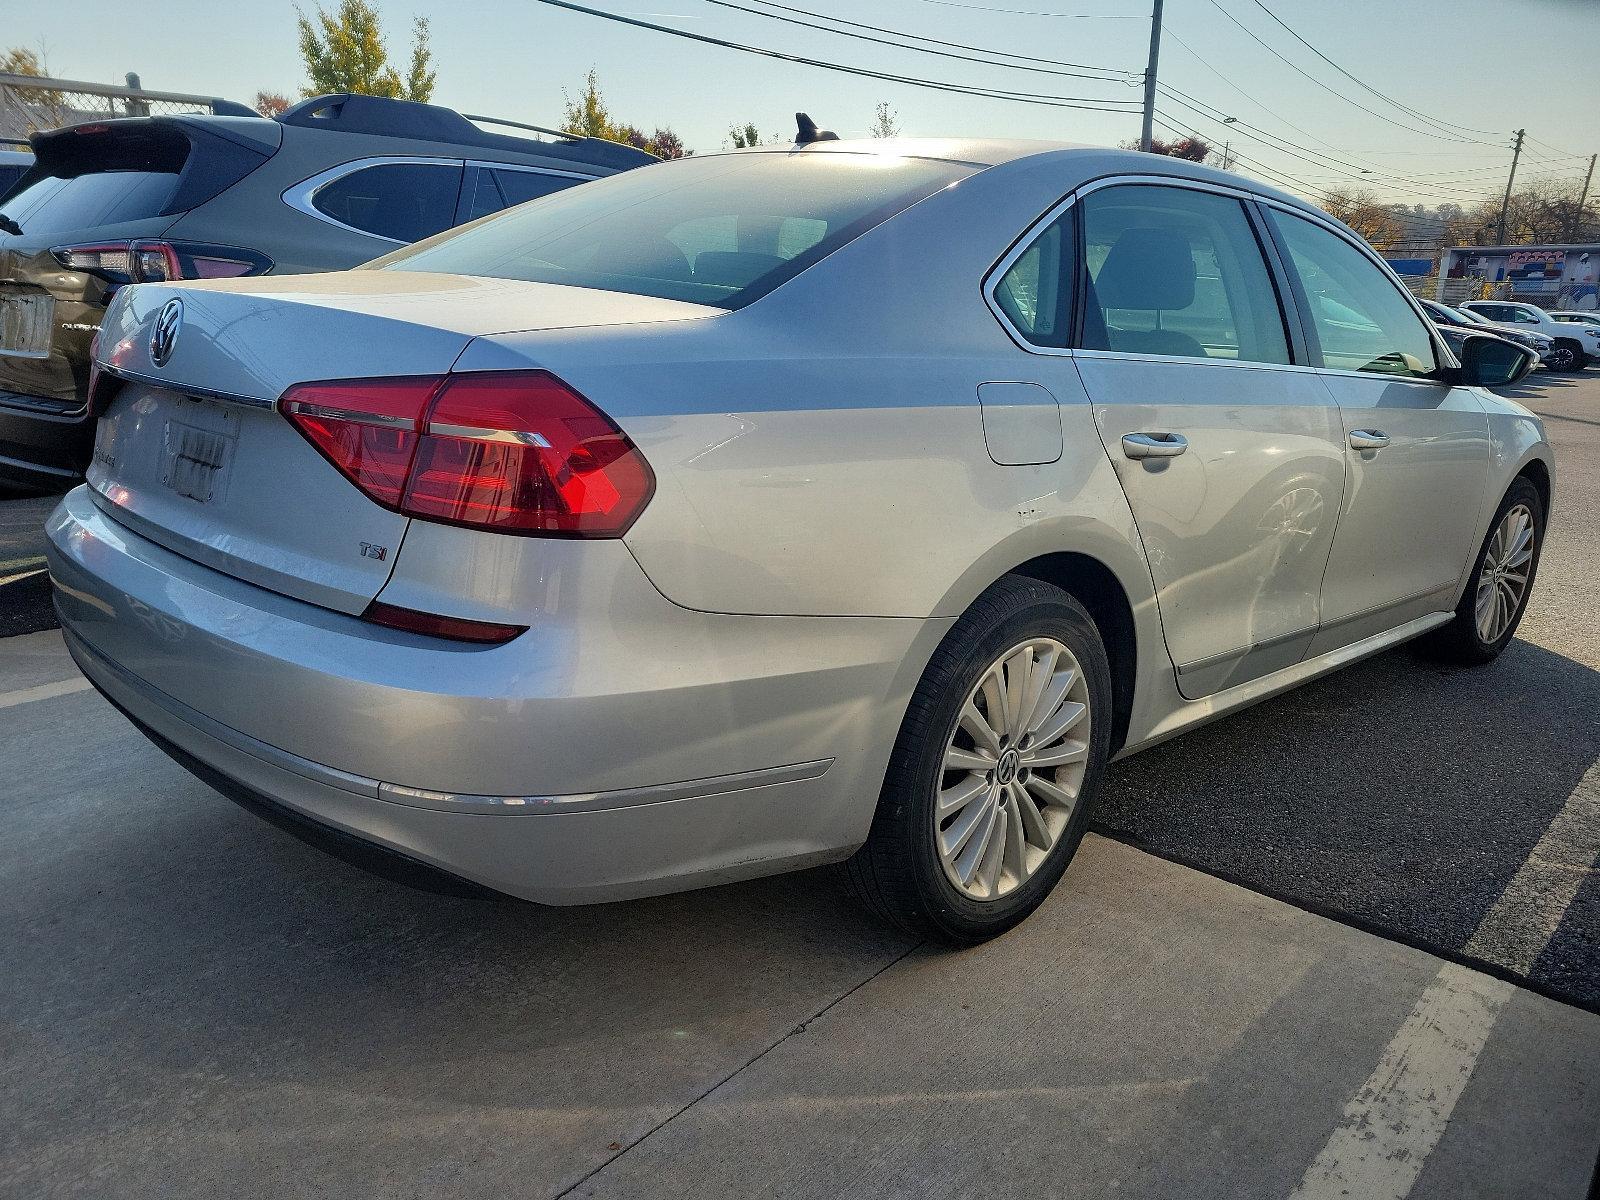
pixel 1484 66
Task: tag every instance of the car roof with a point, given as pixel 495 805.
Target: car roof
pixel 1090 161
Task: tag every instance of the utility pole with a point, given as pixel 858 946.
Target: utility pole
pixel 1227 156
pixel 1577 213
pixel 1150 78
pixel 1516 153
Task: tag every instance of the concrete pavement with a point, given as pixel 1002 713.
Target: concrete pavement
pixel 194 1004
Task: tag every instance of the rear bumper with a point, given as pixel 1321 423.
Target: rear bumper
pixel 714 748
pixel 42 446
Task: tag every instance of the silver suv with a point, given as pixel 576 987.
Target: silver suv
pixel 844 500
pixel 330 183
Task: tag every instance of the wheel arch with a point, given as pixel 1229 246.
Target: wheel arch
pixel 1536 470
pixel 1094 585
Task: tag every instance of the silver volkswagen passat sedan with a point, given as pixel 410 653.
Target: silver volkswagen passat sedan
pixel 757 510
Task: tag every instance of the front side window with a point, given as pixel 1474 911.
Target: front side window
pixel 1177 272
pixel 1035 293
pixel 721 230
pixel 404 202
pixel 1362 320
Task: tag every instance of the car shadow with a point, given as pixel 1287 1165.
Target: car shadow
pixel 1399 794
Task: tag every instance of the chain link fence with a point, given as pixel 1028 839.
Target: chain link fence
pixel 32 104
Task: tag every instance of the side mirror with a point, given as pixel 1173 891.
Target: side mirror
pixel 1493 362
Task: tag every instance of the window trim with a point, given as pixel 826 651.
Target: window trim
pixel 301 196
pixel 1280 278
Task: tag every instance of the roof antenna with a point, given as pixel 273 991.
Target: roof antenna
pixel 807 131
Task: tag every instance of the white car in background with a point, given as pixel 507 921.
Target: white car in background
pixel 1575 343
pixel 1578 318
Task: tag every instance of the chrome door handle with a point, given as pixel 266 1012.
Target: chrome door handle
pixel 1368 439
pixel 1154 445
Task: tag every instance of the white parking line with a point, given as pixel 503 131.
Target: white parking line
pixel 44 691
pixel 1395 1119
pixel 1525 917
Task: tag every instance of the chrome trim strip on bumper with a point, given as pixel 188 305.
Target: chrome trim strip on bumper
pixel 91 660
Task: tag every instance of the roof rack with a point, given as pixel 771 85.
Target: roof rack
pixel 349 113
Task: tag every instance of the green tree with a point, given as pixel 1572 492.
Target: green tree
pixel 744 136
pixel 588 115
pixel 344 52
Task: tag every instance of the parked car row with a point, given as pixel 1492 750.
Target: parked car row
pixel 816 502
pixel 1574 341
pixel 332 182
pixel 1457 324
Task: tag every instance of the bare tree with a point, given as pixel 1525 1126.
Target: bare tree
pixel 886 125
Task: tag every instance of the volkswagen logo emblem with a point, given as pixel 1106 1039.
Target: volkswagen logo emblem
pixel 164 337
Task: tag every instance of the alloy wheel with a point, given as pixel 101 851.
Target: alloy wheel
pixel 1562 357
pixel 1013 769
pixel 1503 574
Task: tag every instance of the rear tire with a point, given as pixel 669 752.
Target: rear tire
pixel 1497 592
pixel 996 715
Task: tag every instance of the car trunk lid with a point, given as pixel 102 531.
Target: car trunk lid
pixel 193 453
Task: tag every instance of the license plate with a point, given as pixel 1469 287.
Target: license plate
pixel 198 444
pixel 26 319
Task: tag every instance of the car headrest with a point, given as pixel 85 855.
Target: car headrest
pixel 733 268
pixel 1147 269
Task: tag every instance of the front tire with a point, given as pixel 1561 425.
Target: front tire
pixel 1496 595
pixel 1568 355
pixel 997 765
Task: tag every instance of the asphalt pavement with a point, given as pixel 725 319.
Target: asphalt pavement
pixel 1382 979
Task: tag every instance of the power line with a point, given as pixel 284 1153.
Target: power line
pixel 1304 154
pixel 1022 12
pixel 1363 83
pixel 1082 103
pixel 1049 62
pixel 1117 77
pixel 1334 91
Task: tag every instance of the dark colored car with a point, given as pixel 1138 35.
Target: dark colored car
pixel 1458 324
pixel 332 182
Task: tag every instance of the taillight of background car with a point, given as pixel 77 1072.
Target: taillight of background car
pixel 513 452
pixel 154 261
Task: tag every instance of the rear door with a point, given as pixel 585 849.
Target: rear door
pixel 1417 449
pixel 1231 456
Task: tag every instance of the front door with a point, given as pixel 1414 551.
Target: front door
pixel 1418 450
pixel 1231 458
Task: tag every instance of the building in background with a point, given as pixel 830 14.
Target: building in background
pixel 1553 277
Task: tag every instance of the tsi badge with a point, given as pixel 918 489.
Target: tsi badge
pixel 368 550
pixel 164 337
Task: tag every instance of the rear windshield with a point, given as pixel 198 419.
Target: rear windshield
pixel 723 230
pixel 99 175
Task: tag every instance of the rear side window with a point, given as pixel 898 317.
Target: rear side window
pixel 1362 320
pixel 494 189
pixel 720 230
pixel 404 202
pixel 1177 272
pixel 1035 293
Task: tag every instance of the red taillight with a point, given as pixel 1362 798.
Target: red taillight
pixel 516 452
pixel 161 261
